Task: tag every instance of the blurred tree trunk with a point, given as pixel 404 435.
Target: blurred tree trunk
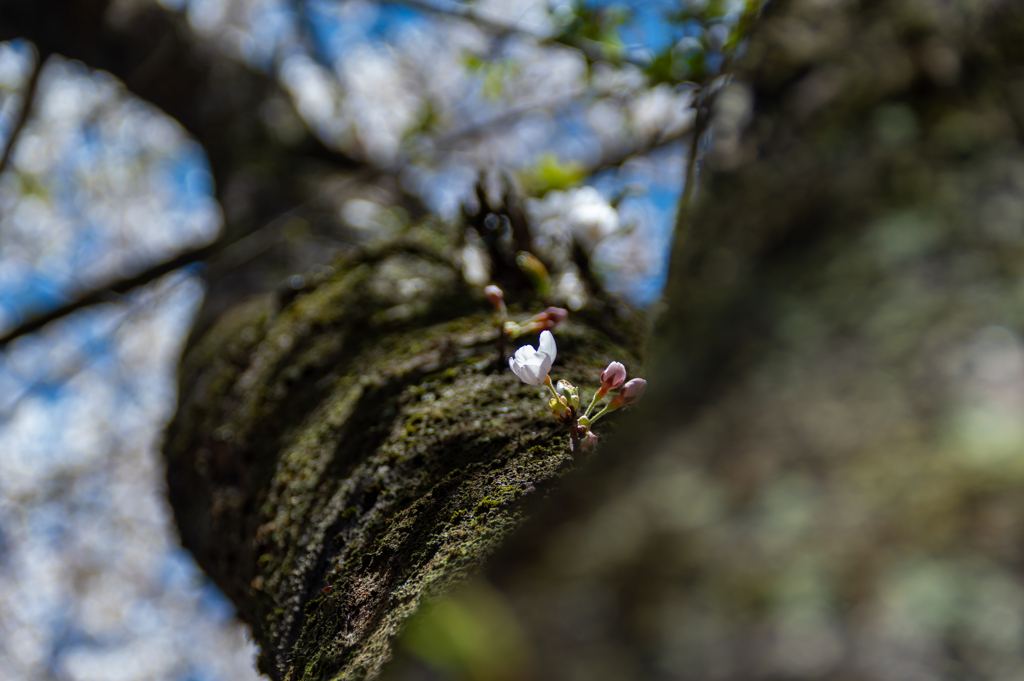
pixel 825 479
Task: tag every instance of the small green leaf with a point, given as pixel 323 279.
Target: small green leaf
pixel 550 173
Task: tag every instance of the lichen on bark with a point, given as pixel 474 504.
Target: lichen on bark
pixel 342 452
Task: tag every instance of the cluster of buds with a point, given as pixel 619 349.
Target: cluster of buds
pixel 533 367
pixel 545 321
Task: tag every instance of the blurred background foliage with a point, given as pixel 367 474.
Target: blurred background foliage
pixel 162 160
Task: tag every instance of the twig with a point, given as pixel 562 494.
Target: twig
pixel 448 141
pixel 26 110
pixel 690 182
pixel 243 248
pixel 82 359
pixel 220 255
pixel 705 100
pixel 120 286
pixel 206 253
pixel 469 13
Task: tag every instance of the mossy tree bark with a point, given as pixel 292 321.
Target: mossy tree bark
pixel 826 477
pixel 365 437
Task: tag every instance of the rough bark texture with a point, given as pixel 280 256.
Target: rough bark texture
pixel 363 436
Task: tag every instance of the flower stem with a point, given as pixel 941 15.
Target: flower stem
pixel 611 406
pixel 547 382
pixel 597 395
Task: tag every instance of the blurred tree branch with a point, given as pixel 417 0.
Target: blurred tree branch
pixel 214 98
pixel 119 287
pixel 217 100
pixel 26 109
pixel 219 257
pixel 85 354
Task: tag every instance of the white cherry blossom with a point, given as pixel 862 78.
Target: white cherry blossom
pixel 532 365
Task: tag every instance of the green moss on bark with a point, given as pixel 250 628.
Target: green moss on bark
pixel 366 437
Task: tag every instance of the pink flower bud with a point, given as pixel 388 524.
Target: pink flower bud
pixel 494 296
pixel 588 443
pixel 547 320
pixel 613 376
pixel 555 316
pixel 632 391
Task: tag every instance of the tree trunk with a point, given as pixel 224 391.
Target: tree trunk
pixel 826 476
pixel 365 438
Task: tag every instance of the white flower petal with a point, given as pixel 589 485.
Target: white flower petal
pixel 545 365
pixel 547 346
pixel 532 366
